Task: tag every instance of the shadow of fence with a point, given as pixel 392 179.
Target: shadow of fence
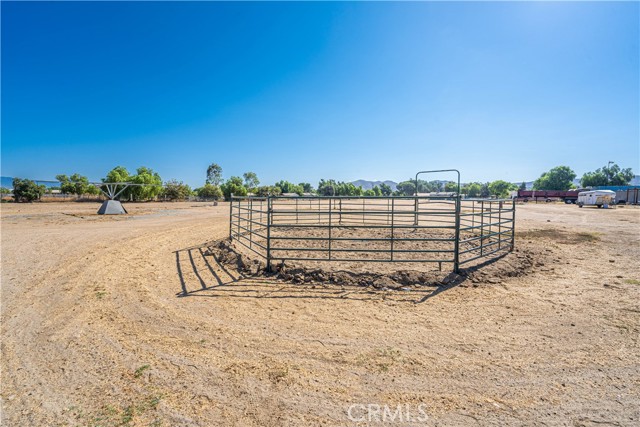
pixel 201 274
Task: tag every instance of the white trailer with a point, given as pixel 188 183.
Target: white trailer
pixel 597 198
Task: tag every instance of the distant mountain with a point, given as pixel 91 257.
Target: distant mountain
pixel 368 185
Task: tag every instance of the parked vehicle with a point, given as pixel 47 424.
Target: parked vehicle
pixel 625 194
pixel 570 196
pixel 597 198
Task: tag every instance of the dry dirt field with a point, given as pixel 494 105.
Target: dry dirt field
pixel 127 321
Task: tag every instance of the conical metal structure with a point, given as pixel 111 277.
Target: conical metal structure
pixel 111 207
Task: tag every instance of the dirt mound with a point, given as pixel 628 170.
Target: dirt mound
pixel 523 260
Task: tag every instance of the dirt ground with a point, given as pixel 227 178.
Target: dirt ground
pixel 128 321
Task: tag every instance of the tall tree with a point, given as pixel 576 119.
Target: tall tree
pixel 501 188
pixel 210 191
pixel 611 174
pixel 269 190
pixel 472 190
pixel 176 190
pixel 559 178
pixel 450 186
pixel 251 180
pixel 385 189
pixel 306 187
pixel 118 174
pixel 406 188
pixel 76 184
pixel 327 188
pixel 152 181
pixel 214 174
pixel 233 186
pixel 484 190
pixel 289 187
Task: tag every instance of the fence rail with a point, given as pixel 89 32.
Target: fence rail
pixel 424 229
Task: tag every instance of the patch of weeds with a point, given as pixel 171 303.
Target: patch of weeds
pixel 389 357
pixel 382 358
pixel 588 237
pixel 151 402
pixel 112 416
pixel 100 294
pixel 138 373
pixel 279 374
pixel 127 415
pixel 632 281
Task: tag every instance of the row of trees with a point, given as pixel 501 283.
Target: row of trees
pixel 25 190
pixel 216 187
pixel 249 183
pixel 561 178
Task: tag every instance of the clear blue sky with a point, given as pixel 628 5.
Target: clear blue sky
pixel 303 91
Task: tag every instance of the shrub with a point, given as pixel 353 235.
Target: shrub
pixel 25 190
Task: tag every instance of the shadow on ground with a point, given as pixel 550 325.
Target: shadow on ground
pixel 202 275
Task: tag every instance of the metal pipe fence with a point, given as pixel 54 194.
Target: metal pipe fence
pixel 416 229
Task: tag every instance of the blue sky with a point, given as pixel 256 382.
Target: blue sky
pixel 303 91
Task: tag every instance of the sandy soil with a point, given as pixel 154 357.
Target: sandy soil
pixel 127 321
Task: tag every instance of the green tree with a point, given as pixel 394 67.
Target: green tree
pixel 210 191
pixel 144 175
pixel 251 180
pixel 176 190
pixel 331 187
pixel 118 174
pixel 523 186
pixel 233 186
pixel 607 175
pixel 428 186
pixel 501 188
pixel 92 190
pixel 327 188
pixel 268 190
pixel 288 187
pixel 451 187
pixel 25 190
pixel 349 189
pixel 4 191
pixel 406 188
pixel 66 186
pixel 306 187
pixel 484 190
pixel 76 184
pixel 472 190
pixel 152 187
pixel 214 174
pixel 559 178
pixel 385 189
